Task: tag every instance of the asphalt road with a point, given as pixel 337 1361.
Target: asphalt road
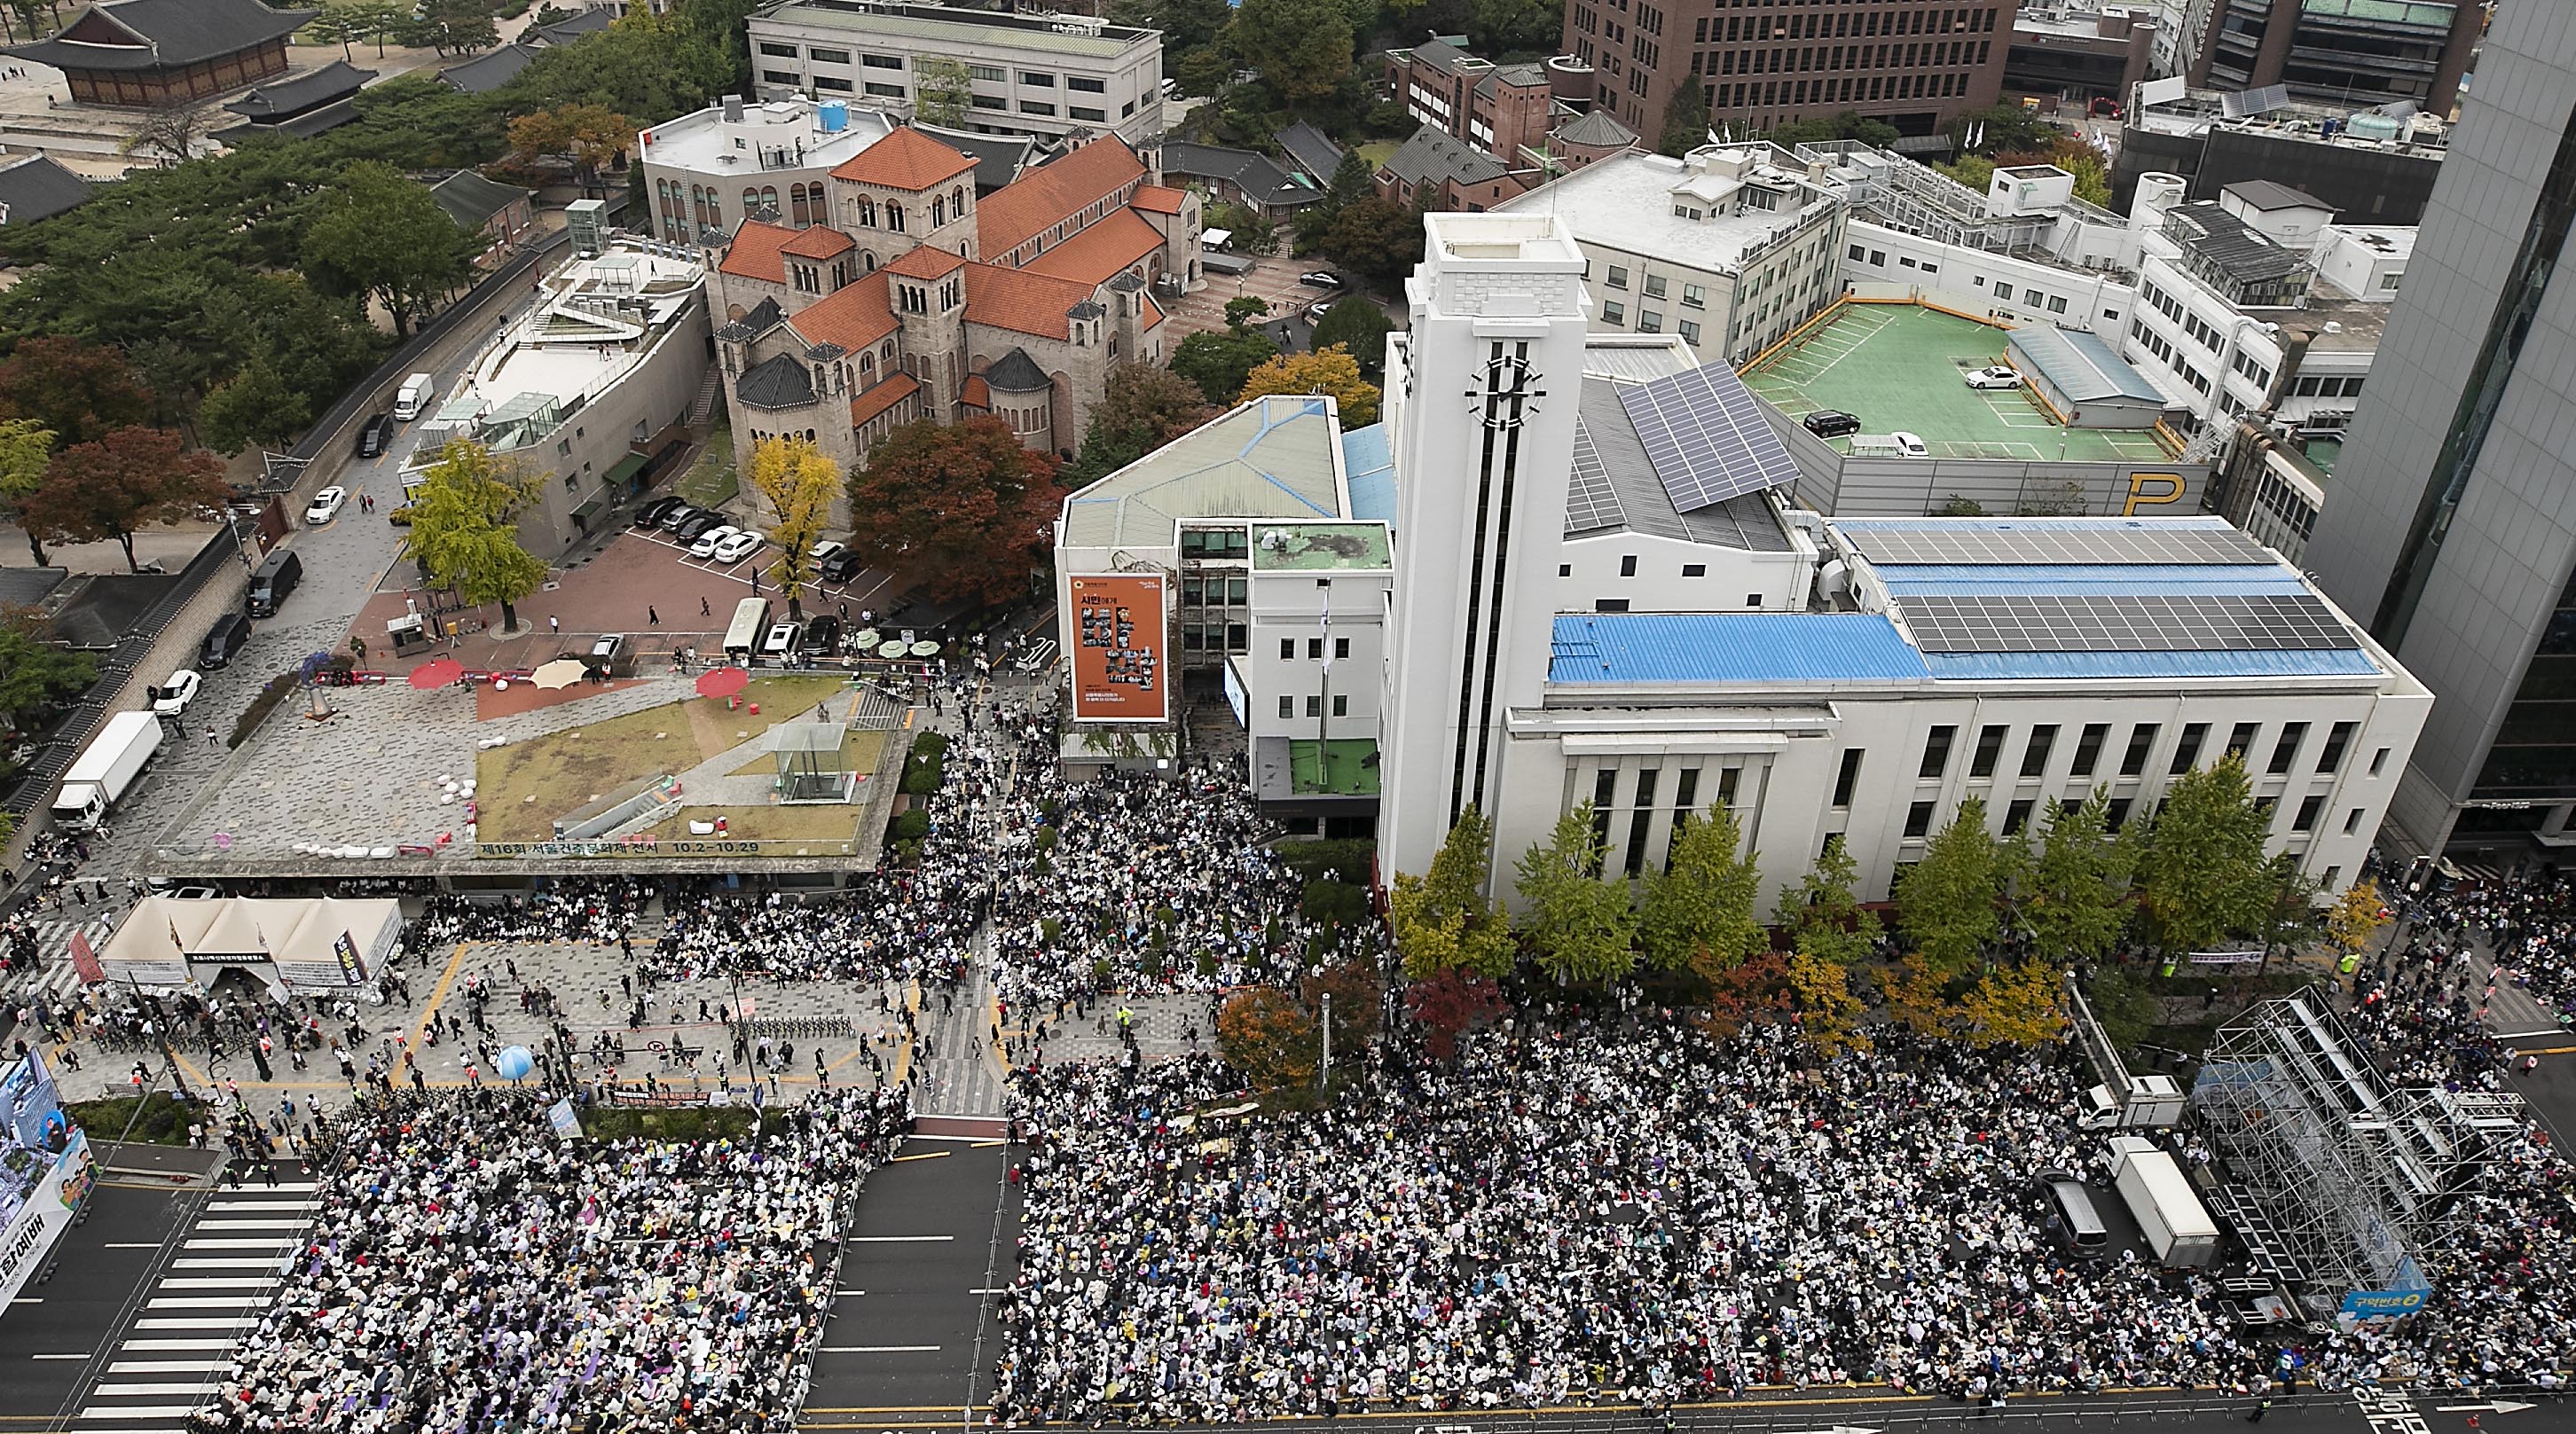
pixel 50 1337
pixel 932 1240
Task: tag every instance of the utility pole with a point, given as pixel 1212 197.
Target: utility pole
pixel 1324 1081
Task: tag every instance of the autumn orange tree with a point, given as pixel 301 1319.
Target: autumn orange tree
pixel 1448 1004
pixel 1267 1036
pixel 962 506
pixel 129 478
pixel 1331 372
pixel 588 136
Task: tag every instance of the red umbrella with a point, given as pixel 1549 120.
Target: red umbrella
pixel 722 681
pixel 437 672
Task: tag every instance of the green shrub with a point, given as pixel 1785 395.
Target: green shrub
pixel 1335 901
pixel 277 690
pixel 728 1122
pixel 912 826
pixel 925 765
pixel 164 1121
pixel 1347 859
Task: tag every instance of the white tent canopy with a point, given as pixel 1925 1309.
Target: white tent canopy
pixel 294 943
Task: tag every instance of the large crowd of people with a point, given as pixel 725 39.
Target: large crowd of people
pixel 1638 1212
pixel 469 1269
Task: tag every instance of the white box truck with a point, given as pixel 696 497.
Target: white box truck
pixel 2168 1212
pixel 413 396
pixel 107 769
pixel 2155 1103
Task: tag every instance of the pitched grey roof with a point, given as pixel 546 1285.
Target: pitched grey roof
pixel 37 188
pixel 763 317
pixel 1524 76
pixel 1083 310
pixel 588 22
pixel 1016 372
pixel 1434 155
pixel 1440 51
pixel 165 34
pixel 782 382
pixel 1311 150
pixel 999 158
pixel 321 119
pixel 1259 176
pixel 298 93
pixel 1594 128
pixel 471 200
pixel 485 73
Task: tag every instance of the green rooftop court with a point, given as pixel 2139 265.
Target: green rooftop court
pixel 1898 367
pixel 1340 767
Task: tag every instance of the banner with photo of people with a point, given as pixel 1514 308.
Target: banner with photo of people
pixel 45 1170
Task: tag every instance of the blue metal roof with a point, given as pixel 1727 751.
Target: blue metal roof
pixel 1624 648
pixel 1964 579
pixel 1369 460
pixel 1973 666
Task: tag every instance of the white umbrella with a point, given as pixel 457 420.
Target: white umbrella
pixel 562 672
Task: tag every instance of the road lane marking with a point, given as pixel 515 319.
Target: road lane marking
pixel 880 1348
pixel 895 1239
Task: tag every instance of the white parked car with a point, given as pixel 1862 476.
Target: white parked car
pixel 739 546
pixel 822 552
pixel 1995 377
pixel 705 546
pixel 1911 444
pixel 172 697
pixel 326 506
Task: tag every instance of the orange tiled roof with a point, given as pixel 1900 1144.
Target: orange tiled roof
pixel 820 242
pixel 1158 199
pixel 854 316
pixel 1047 195
pixel 1020 301
pixel 925 261
pixel 906 159
pixel 975 393
pixel 1153 312
pixel 894 388
pixel 755 250
pixel 1094 255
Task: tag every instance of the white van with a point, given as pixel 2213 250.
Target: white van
pixel 742 636
pixel 1899 444
pixel 415 394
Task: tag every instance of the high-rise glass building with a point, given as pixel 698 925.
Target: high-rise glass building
pixel 2450 527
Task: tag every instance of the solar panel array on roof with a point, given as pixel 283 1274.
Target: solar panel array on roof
pixel 1705 434
pixel 2086 623
pixel 1590 502
pixel 2147 543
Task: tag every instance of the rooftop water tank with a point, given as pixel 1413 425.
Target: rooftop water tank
pixel 833 115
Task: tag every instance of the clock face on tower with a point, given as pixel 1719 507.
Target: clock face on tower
pixel 1505 378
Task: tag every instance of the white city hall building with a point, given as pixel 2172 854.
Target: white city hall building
pixel 1598 594
pixel 2020 660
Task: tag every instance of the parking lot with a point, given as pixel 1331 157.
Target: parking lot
pixel 1273 279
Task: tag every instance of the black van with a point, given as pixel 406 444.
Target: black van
pixel 223 640
pixel 275 580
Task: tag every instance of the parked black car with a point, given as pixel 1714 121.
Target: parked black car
pixel 1830 423
pixel 822 636
pixel 654 512
pixel 842 566
pixel 374 434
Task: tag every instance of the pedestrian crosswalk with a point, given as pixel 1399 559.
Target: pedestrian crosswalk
pixel 224 1274
pixel 54 974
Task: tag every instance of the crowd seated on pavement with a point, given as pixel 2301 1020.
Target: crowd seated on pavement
pixel 1631 1210
pixel 469 1269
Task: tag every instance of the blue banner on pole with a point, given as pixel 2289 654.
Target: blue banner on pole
pixel 2383 1304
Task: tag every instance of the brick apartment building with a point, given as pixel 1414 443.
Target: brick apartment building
pixel 1911 63
pixel 1497 108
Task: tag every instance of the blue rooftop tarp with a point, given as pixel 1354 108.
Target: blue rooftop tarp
pixel 1721 647
pixel 1368 459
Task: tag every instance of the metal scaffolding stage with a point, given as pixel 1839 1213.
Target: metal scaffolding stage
pixel 2339 1182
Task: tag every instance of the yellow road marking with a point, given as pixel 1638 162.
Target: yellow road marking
pixel 932 1155
pixel 438 994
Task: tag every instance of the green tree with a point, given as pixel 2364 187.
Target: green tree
pixel 1822 915
pixel 1351 181
pixel 1973 170
pixel 941 90
pixel 80 391
pixel 1698 911
pixel 1359 326
pixel 589 137
pixel 1950 904
pixel 2202 877
pixel 383 235
pixel 368 20
pixel 120 482
pixel 1498 26
pixel 458 27
pixel 1442 919
pixel 2002 129
pixel 255 407
pixel 2074 894
pixel 1579 927
pixel 1243 309
pixel 654 67
pixel 1141 408
pixel 1252 233
pixel 798 483
pixel 463 531
pixel 26 449
pixel 1377 239
pixel 1685 119
pixel 963 504
pixel 1198 72
pixel 36 672
pixel 1186 24
pixel 1301 47
pixel 1219 362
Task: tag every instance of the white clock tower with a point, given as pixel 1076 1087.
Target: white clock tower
pixel 1484 445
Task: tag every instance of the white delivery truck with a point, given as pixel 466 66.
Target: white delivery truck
pixel 2168 1212
pixel 2155 1103
pixel 107 769
pixel 413 396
